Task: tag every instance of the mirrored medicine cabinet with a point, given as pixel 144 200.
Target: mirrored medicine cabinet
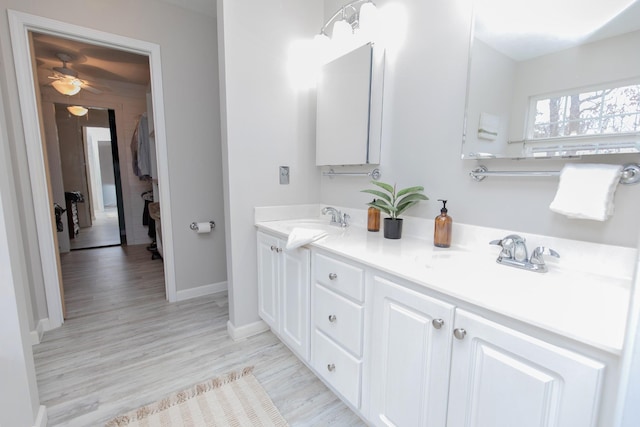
pixel 349 108
pixel 553 90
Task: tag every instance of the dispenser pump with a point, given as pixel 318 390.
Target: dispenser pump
pixel 442 227
pixel 444 206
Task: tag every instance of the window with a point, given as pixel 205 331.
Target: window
pixel 608 111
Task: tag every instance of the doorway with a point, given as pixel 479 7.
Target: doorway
pixel 21 25
pixel 90 166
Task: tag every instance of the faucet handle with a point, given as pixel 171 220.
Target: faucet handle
pixel 345 219
pixel 510 244
pixel 537 254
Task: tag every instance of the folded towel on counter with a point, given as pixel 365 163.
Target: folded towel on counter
pixel 586 191
pixel 488 126
pixel 301 236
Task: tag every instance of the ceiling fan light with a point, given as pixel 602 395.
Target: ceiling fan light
pixel 66 87
pixel 77 110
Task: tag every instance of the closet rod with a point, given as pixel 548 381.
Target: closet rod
pixel 630 173
pixel 375 174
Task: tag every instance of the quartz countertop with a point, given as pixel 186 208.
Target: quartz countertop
pixel 583 305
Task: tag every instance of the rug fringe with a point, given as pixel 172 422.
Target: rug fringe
pixel 179 397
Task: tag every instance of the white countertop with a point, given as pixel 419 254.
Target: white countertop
pixel 587 306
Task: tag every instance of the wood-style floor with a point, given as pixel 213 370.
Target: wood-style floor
pixel 104 231
pixel 123 346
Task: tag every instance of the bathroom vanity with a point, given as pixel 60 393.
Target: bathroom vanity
pixel 411 335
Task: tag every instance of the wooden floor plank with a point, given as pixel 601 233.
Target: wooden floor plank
pixel 124 346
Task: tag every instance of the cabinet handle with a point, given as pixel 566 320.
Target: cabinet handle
pixel 331 367
pixel 333 276
pixel 459 333
pixel 437 323
pixel 278 250
pixel 332 318
pixel 273 248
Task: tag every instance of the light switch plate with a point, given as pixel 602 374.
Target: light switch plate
pixel 284 175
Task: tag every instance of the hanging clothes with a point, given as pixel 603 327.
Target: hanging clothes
pixel 140 149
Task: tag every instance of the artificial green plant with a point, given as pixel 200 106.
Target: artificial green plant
pixel 393 202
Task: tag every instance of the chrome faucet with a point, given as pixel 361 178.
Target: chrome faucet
pixel 514 253
pixel 337 218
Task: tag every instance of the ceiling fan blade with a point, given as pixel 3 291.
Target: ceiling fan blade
pixel 91 89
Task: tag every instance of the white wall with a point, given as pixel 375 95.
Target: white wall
pixel 266 124
pixel 425 81
pixel 106 174
pixel 19 402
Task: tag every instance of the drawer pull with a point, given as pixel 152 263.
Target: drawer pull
pixel 333 276
pixel 331 367
pixel 332 318
pixel 459 333
pixel 437 323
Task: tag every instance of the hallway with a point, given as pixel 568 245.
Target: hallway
pixel 123 345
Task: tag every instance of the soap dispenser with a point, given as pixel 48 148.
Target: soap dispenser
pixel 442 227
pixel 373 217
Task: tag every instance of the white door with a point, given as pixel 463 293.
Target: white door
pixel 294 297
pixel 268 279
pixel 411 342
pixel 503 378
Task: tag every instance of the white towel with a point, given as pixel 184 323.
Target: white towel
pixel 488 126
pixel 586 191
pixel 301 236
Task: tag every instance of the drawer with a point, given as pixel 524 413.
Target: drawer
pixel 339 318
pixel 339 276
pixel 337 367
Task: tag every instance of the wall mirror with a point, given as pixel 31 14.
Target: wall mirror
pixel 349 108
pixel 553 79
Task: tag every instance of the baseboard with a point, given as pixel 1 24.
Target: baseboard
pixel 246 331
pixel 201 291
pixel 41 328
pixel 41 419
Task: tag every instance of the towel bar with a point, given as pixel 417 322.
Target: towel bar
pixel 630 173
pixel 375 174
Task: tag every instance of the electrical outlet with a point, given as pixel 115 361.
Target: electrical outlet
pixel 284 175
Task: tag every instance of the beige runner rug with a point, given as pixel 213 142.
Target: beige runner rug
pixel 236 399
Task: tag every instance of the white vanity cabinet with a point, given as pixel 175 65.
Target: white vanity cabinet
pixel 410 353
pixel 283 291
pixel 401 354
pixel 337 318
pixel 502 377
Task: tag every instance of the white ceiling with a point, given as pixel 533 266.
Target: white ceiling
pixel 523 29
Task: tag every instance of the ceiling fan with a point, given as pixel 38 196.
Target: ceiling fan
pixel 66 81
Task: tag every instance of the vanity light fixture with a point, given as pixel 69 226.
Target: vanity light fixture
pixel 77 110
pixel 354 17
pixel 352 26
pixel 67 86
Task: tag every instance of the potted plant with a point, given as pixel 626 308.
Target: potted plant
pixel 394 202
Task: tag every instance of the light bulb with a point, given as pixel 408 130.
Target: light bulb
pixel 341 31
pixel 368 19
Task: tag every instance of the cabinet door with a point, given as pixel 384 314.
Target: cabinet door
pixel 268 279
pixel 294 297
pixel 410 352
pixel 503 378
